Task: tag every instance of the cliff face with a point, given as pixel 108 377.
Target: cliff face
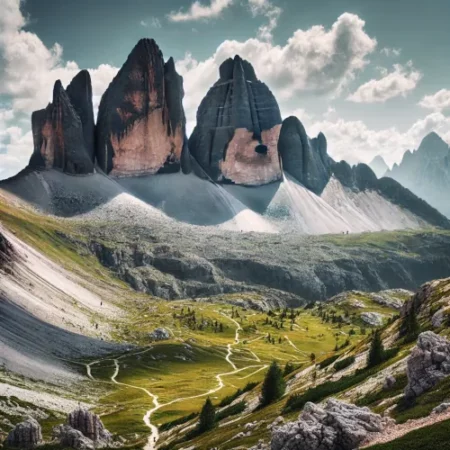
pixel 60 140
pixel 141 122
pixel 303 158
pixel 238 125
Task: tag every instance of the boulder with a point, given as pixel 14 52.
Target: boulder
pixel 428 363
pixel 335 426
pixel 238 125
pixel 303 158
pixel 90 425
pixel 61 137
pixel 372 318
pixel 70 437
pixel 160 334
pixel 25 435
pixel 441 408
pixel 389 382
pixel 141 121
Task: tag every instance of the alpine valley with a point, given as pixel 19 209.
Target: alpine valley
pixel 234 289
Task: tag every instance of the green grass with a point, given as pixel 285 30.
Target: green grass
pixel 428 438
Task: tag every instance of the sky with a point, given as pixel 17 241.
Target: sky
pixel 372 75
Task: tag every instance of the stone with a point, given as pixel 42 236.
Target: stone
pixel 238 125
pixel 70 437
pixel 303 158
pixel 372 318
pixel 60 140
pixel 441 408
pixel 428 364
pixel 7 252
pixel 90 425
pixel 160 334
pixel 335 426
pixel 141 122
pixel 25 435
pixel 389 382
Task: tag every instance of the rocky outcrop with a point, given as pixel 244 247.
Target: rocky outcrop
pixel 141 121
pixel 336 426
pixel 63 132
pixel 373 319
pixel 238 125
pixel 428 364
pixel 25 435
pixel 160 334
pixel 303 158
pixel 89 424
pixel 69 437
pixel 6 251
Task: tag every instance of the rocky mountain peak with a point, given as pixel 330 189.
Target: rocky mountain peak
pixel 141 122
pixel 238 125
pixel 379 166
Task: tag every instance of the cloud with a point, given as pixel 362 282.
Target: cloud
pixel 198 11
pixel 388 51
pixel 19 146
pixel 355 142
pixel 271 12
pixel 316 60
pixel 439 101
pixel 398 82
pixel 153 22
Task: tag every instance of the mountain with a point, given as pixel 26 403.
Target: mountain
pixel 379 166
pixel 426 172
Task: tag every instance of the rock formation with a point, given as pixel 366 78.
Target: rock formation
pixel 6 250
pixel 89 424
pixel 141 122
pixel 303 158
pixel 238 125
pixel 25 435
pixel 63 133
pixel 428 363
pixel 69 437
pixel 160 334
pixel 336 426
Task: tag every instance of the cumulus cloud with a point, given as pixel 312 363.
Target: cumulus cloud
pixel 316 60
pixel 153 22
pixel 399 82
pixel 439 101
pixel 199 11
pixel 18 148
pixel 355 142
pixel 388 51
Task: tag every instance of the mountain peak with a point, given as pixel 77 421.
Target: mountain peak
pixel 379 166
pixel 433 144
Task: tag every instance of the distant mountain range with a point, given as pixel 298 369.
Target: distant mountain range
pixel 426 172
pixel 379 166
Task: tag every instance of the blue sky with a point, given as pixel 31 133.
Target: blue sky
pixel 373 75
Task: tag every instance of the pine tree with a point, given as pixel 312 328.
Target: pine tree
pixel 207 417
pixel 273 386
pixel 376 352
pixel 410 327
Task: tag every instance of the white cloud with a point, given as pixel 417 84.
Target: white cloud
pixel 388 51
pixel 19 147
pixel 316 60
pixel 271 12
pixel 400 81
pixel 355 142
pixel 153 22
pixel 199 11
pixel 439 101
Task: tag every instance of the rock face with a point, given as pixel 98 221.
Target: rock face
pixel 141 122
pixel 89 424
pixel 25 435
pixel 428 363
pixel 372 318
pixel 6 251
pixel 238 125
pixel 69 437
pixel 303 158
pixel 379 166
pixel 63 133
pixel 336 426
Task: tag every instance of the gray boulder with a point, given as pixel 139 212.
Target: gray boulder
pixel 26 435
pixel 335 426
pixel 372 318
pixel 69 437
pixel 160 334
pixel 389 382
pixel 90 426
pixel 428 363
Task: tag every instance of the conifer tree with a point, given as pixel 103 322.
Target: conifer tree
pixel 376 352
pixel 273 386
pixel 207 417
pixel 410 327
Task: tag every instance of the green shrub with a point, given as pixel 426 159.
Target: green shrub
pixel 344 363
pixel 168 425
pixel 327 362
pixel 230 398
pixel 231 410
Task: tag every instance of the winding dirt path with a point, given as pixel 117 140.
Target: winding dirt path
pixel 154 433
